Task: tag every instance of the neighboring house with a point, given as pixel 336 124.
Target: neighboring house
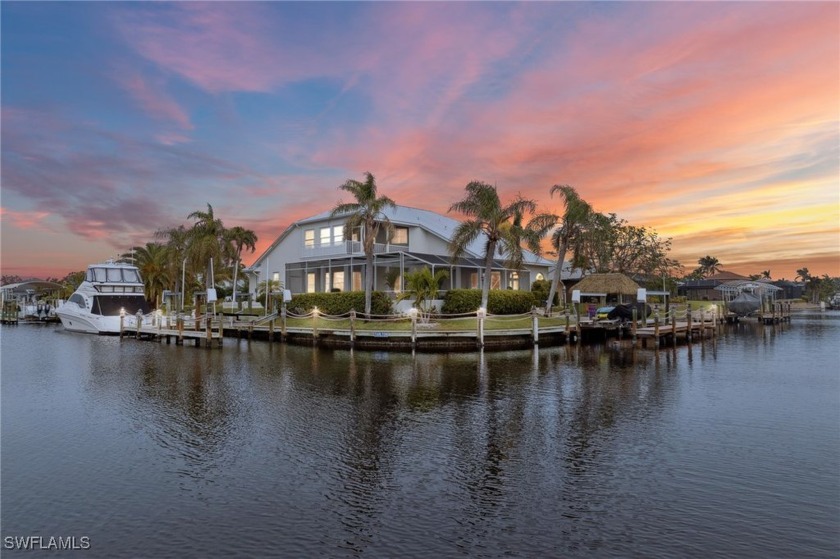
pixel 790 289
pixel 704 289
pixel 313 255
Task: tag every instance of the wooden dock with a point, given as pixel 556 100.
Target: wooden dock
pixel 349 331
pixel 207 329
pixel 9 313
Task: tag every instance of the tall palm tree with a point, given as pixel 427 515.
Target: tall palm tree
pixel 368 212
pixel 206 242
pixel 577 214
pixel 501 225
pixel 151 260
pixel 239 238
pixel 176 240
pixel 709 265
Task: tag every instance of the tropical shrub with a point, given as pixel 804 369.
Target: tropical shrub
pixel 422 286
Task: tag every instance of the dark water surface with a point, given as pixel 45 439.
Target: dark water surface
pixel 727 448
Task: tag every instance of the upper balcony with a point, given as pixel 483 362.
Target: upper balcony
pixel 346 248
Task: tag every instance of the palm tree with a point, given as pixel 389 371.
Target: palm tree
pixel 808 280
pixel 366 212
pixel 239 238
pixel 151 260
pixel 423 286
pixel 501 225
pixel 265 289
pixel 576 215
pixel 709 265
pixel 206 242
pixel 177 242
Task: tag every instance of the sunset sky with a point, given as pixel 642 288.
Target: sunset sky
pixel 716 124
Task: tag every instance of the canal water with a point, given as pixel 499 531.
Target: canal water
pixel 725 448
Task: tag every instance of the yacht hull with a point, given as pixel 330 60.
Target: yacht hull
pixel 88 323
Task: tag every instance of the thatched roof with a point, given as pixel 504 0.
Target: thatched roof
pixel 607 283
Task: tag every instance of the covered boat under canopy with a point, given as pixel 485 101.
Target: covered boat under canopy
pixel 743 297
pixel 744 304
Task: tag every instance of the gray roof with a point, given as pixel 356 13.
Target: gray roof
pixel 435 223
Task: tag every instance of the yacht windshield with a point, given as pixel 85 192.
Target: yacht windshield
pixel 114 274
pixel 130 275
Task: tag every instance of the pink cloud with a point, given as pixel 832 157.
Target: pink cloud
pixel 150 95
pixel 23 219
pixel 216 46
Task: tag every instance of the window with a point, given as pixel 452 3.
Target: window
pixel 130 275
pixel 495 280
pixel 338 281
pixel 400 236
pixel 309 238
pixel 325 237
pixel 514 281
pixel 275 277
pixel 310 282
pixel 473 280
pixel 99 274
pixel 338 234
pixel 357 281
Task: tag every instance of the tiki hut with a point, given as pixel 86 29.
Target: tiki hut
pixel 607 288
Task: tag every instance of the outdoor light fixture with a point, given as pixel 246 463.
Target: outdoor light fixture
pixel 122 311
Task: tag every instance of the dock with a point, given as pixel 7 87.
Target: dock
pixel 9 313
pixel 205 329
pixel 676 325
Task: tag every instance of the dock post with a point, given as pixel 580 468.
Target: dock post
pixel 480 325
pixel 209 330
pixel 688 320
pixel 633 325
pixel 283 323
pixel 315 324
pixel 568 334
pixel 577 327
pixel 180 321
pixel 535 325
pixel 139 324
pixel 271 330
pixel 122 323
pixel 656 325
pixel 352 327
pixel 673 328
pixel 413 313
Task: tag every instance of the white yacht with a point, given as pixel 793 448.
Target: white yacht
pixel 109 290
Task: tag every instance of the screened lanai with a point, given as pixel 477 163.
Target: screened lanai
pixel 346 273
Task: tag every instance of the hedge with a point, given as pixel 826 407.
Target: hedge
pixel 462 301
pixel 339 303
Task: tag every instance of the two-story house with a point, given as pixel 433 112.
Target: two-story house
pixel 314 255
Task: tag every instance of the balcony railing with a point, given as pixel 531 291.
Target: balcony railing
pixel 346 248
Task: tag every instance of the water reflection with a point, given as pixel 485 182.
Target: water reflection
pixel 552 451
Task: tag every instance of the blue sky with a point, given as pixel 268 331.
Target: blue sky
pixel 714 123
